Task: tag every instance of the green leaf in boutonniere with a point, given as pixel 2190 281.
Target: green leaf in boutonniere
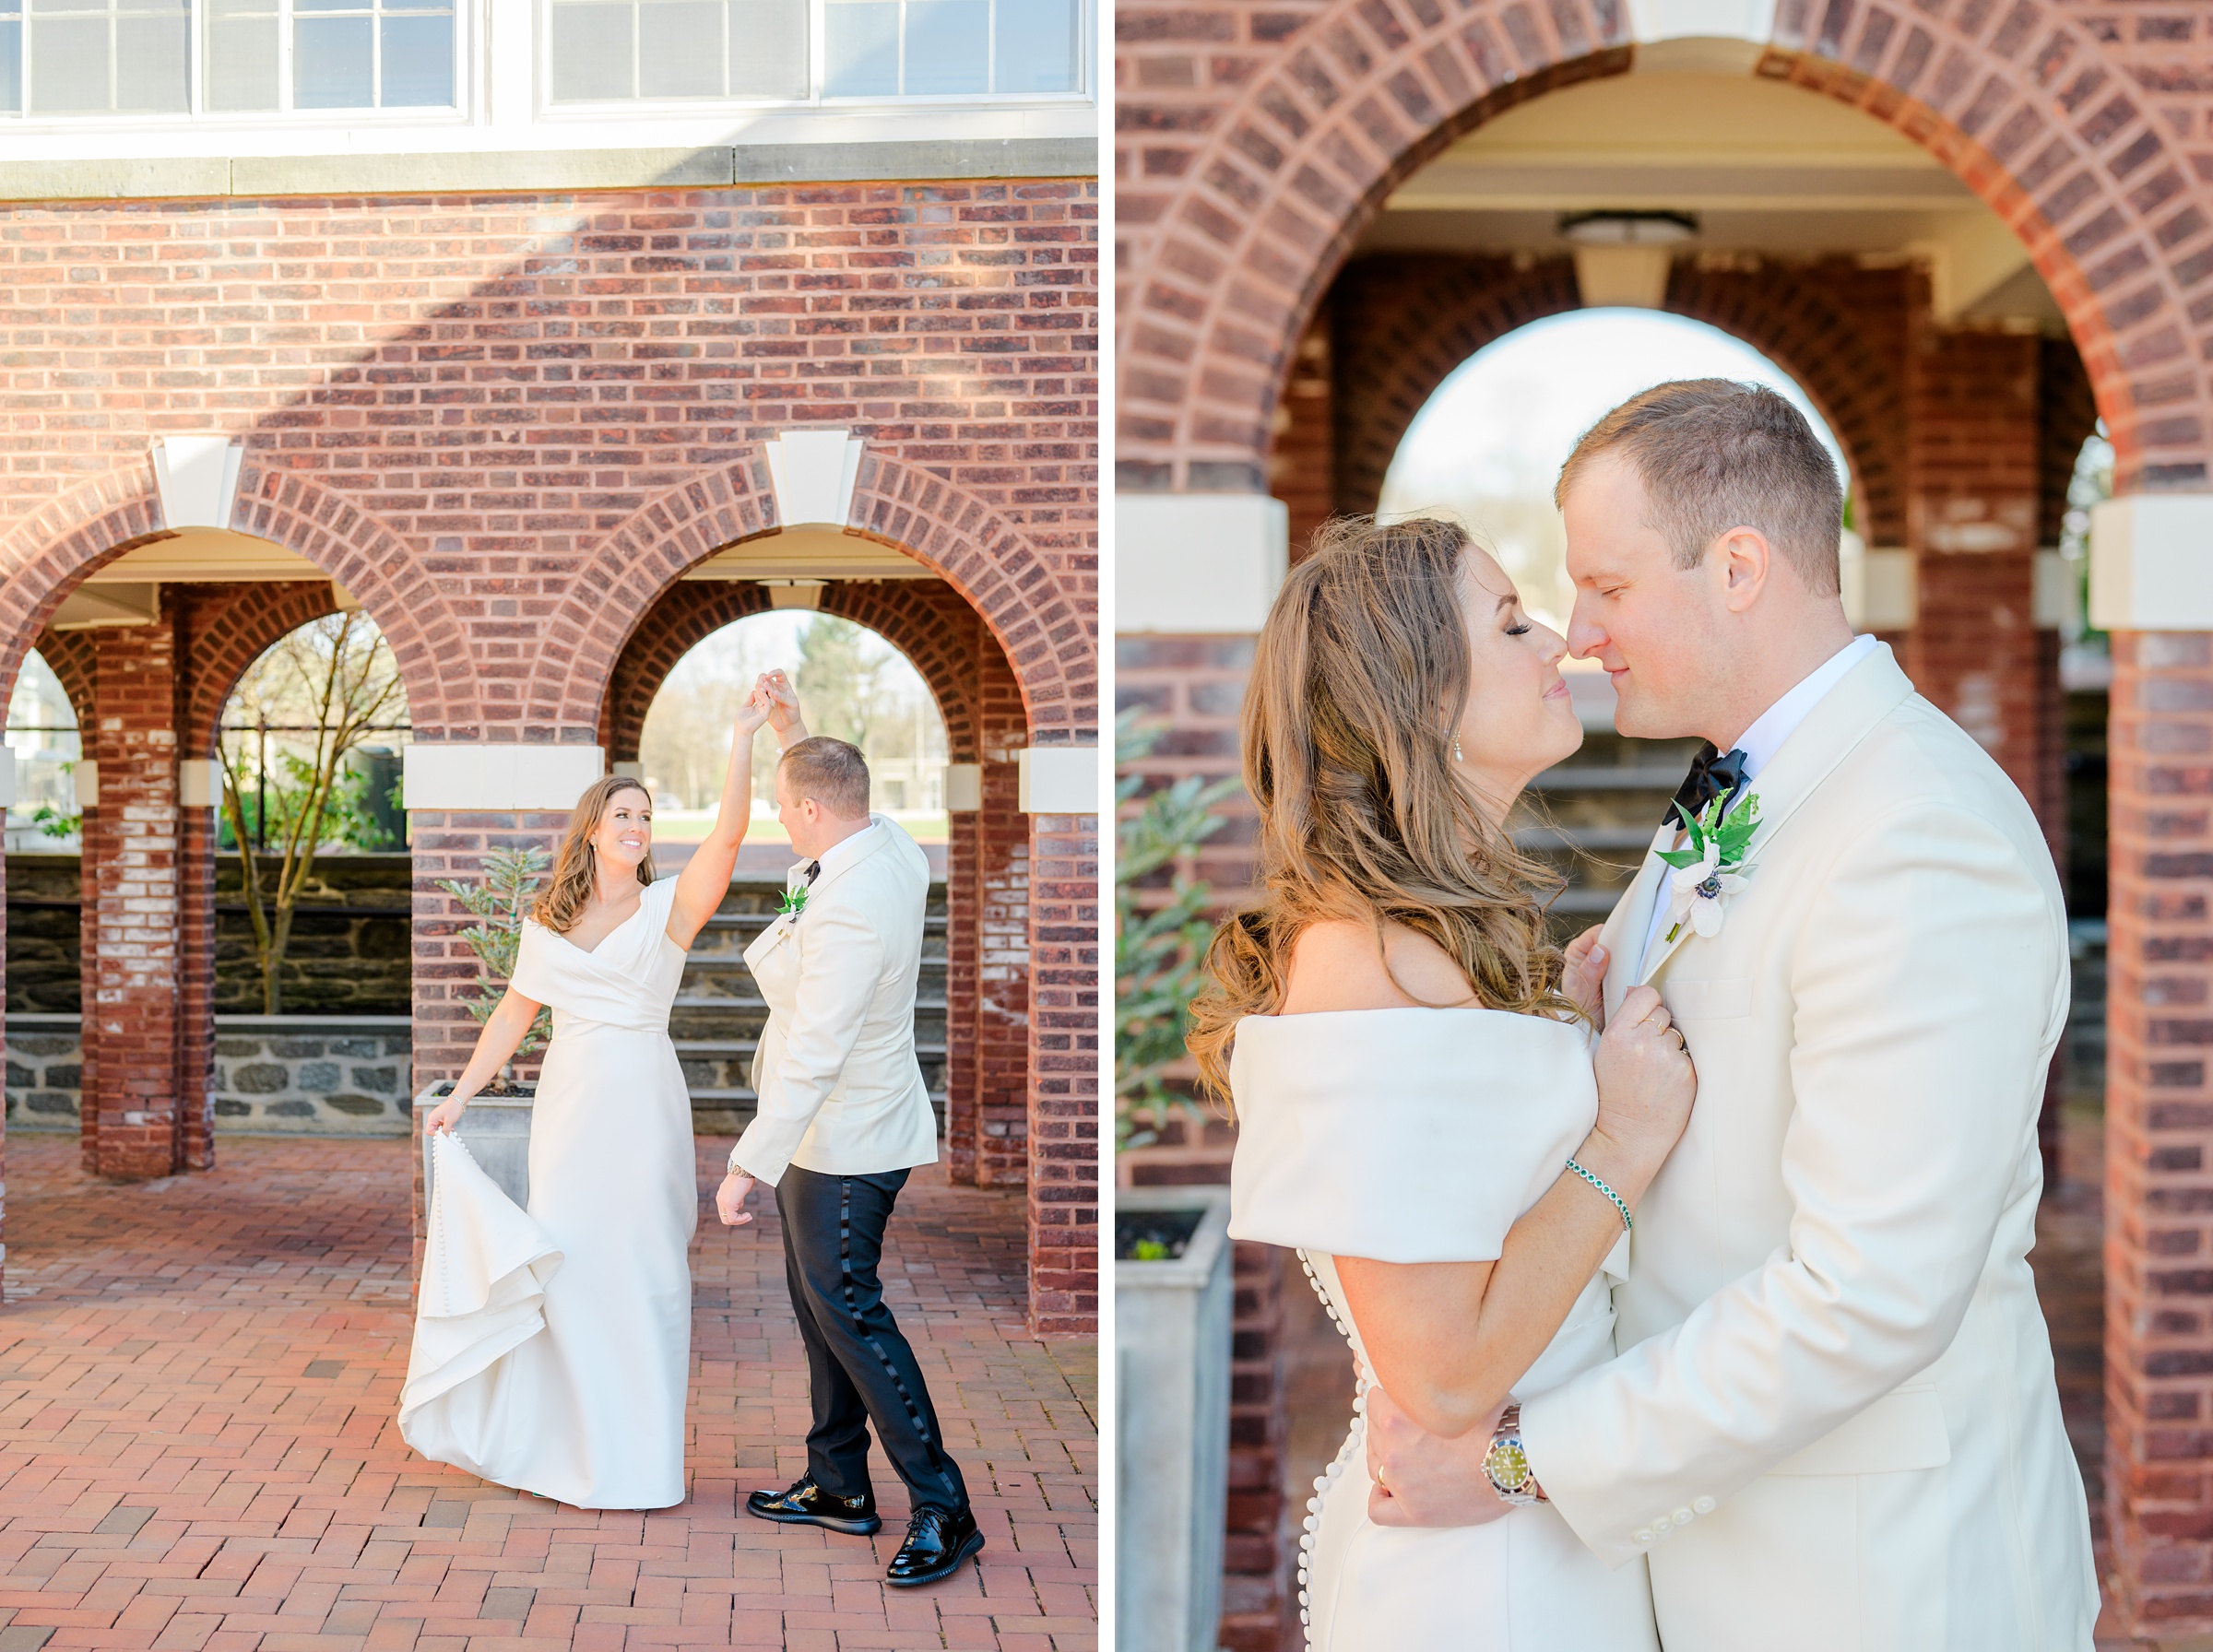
pixel 794 902
pixel 1711 866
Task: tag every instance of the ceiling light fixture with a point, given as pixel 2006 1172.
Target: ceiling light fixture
pixel 1629 227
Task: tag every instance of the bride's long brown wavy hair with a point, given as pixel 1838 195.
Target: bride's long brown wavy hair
pixel 1358 681
pixel 568 891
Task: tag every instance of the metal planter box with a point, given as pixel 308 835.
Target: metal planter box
pixel 1172 1347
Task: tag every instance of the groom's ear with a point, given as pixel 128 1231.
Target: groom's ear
pixel 1743 560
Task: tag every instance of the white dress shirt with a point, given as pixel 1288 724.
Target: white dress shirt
pixel 1760 742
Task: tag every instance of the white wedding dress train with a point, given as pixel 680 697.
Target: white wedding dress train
pixel 588 1407
pixel 1420 1136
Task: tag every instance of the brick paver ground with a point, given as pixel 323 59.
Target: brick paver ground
pixel 198 1377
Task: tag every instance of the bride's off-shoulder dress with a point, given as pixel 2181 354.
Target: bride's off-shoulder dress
pixel 590 1409
pixel 1421 1136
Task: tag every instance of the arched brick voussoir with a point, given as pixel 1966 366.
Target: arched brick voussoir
pixel 389 579
pixel 47 553
pixel 608 598
pixel 229 628
pixel 1050 641
pixel 926 620
pixel 2043 120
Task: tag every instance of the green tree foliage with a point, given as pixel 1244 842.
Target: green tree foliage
pixel 841 679
pixel 499 903
pixel 336 679
pixel 1158 946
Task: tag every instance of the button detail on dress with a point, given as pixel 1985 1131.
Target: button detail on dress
pixel 1703 1506
pixel 1644 1534
pixel 1683 1517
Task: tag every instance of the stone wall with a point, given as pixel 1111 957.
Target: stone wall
pixel 347 954
pixel 274 1074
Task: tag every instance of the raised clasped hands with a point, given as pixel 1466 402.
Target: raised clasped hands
pixel 783 706
pixel 756 710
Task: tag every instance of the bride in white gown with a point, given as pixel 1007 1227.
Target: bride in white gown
pixel 590 1409
pixel 1413 1070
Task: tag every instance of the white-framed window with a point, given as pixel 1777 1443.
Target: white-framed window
pixel 138 57
pixel 811 51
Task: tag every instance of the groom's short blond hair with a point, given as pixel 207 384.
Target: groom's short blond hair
pixel 1715 455
pixel 831 772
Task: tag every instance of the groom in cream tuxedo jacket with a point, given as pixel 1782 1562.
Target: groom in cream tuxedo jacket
pixel 1833 1424
pixel 843 1116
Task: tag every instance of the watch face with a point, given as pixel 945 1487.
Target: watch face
pixel 1508 1464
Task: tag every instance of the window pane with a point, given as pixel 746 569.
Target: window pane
pixel 861 38
pixel 1036 46
pixel 948 46
pixel 153 64
pixel 680 48
pixel 242 54
pixel 419 63
pixel 330 63
pixel 591 52
pixel 69 64
pixel 11 64
pixel 768 48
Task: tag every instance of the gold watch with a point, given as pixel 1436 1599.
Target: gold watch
pixel 1506 1465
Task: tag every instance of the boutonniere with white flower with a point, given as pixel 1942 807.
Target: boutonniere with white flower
pixel 1711 866
pixel 793 904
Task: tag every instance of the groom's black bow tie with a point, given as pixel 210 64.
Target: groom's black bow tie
pixel 814 870
pixel 1711 775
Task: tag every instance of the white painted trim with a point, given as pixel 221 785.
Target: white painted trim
pixel 199 783
pixel 85 779
pixel 452 774
pixel 1058 780
pixel 813 473
pixel 1198 564
pixel 7 778
pixel 964 788
pixel 198 477
pixel 1882 590
pixel 2151 562
pixel 2055 604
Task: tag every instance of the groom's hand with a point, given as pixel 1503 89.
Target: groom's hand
pixel 730 1199
pixel 1421 1480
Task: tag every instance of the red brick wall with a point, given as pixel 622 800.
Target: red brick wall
pixel 507 423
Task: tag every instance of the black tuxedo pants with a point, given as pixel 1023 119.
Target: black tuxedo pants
pixel 859 1369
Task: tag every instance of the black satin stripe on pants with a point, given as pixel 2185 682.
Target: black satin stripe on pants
pixel 859 1369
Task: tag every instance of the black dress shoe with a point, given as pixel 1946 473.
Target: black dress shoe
pixel 937 1542
pixel 805 1504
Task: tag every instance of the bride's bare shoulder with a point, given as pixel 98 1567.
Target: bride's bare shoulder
pixel 1337 964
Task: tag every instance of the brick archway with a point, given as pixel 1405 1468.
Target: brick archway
pixel 986 560
pixel 45 557
pixel 987 851
pixel 1299 148
pixel 231 627
pixel 1403 324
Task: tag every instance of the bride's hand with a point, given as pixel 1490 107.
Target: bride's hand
pixel 753 714
pixel 445 1118
pixel 1419 1480
pixel 1646 1086
pixel 1583 980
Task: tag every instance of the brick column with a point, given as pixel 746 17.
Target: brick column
pixel 2158 1245
pixel 1973 476
pixel 964 1119
pixel 1003 959
pixel 1063 1134
pixel 134 1000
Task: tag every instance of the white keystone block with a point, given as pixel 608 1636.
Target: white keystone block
pixel 1750 20
pixel 964 788
pixel 813 473
pixel 1198 564
pixel 1058 780
pixel 450 775
pixel 2151 562
pixel 198 477
pixel 7 778
pixel 199 783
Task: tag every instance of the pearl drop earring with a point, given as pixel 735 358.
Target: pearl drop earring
pixel 1456 756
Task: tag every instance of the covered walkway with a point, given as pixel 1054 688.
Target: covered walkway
pixel 198 1377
